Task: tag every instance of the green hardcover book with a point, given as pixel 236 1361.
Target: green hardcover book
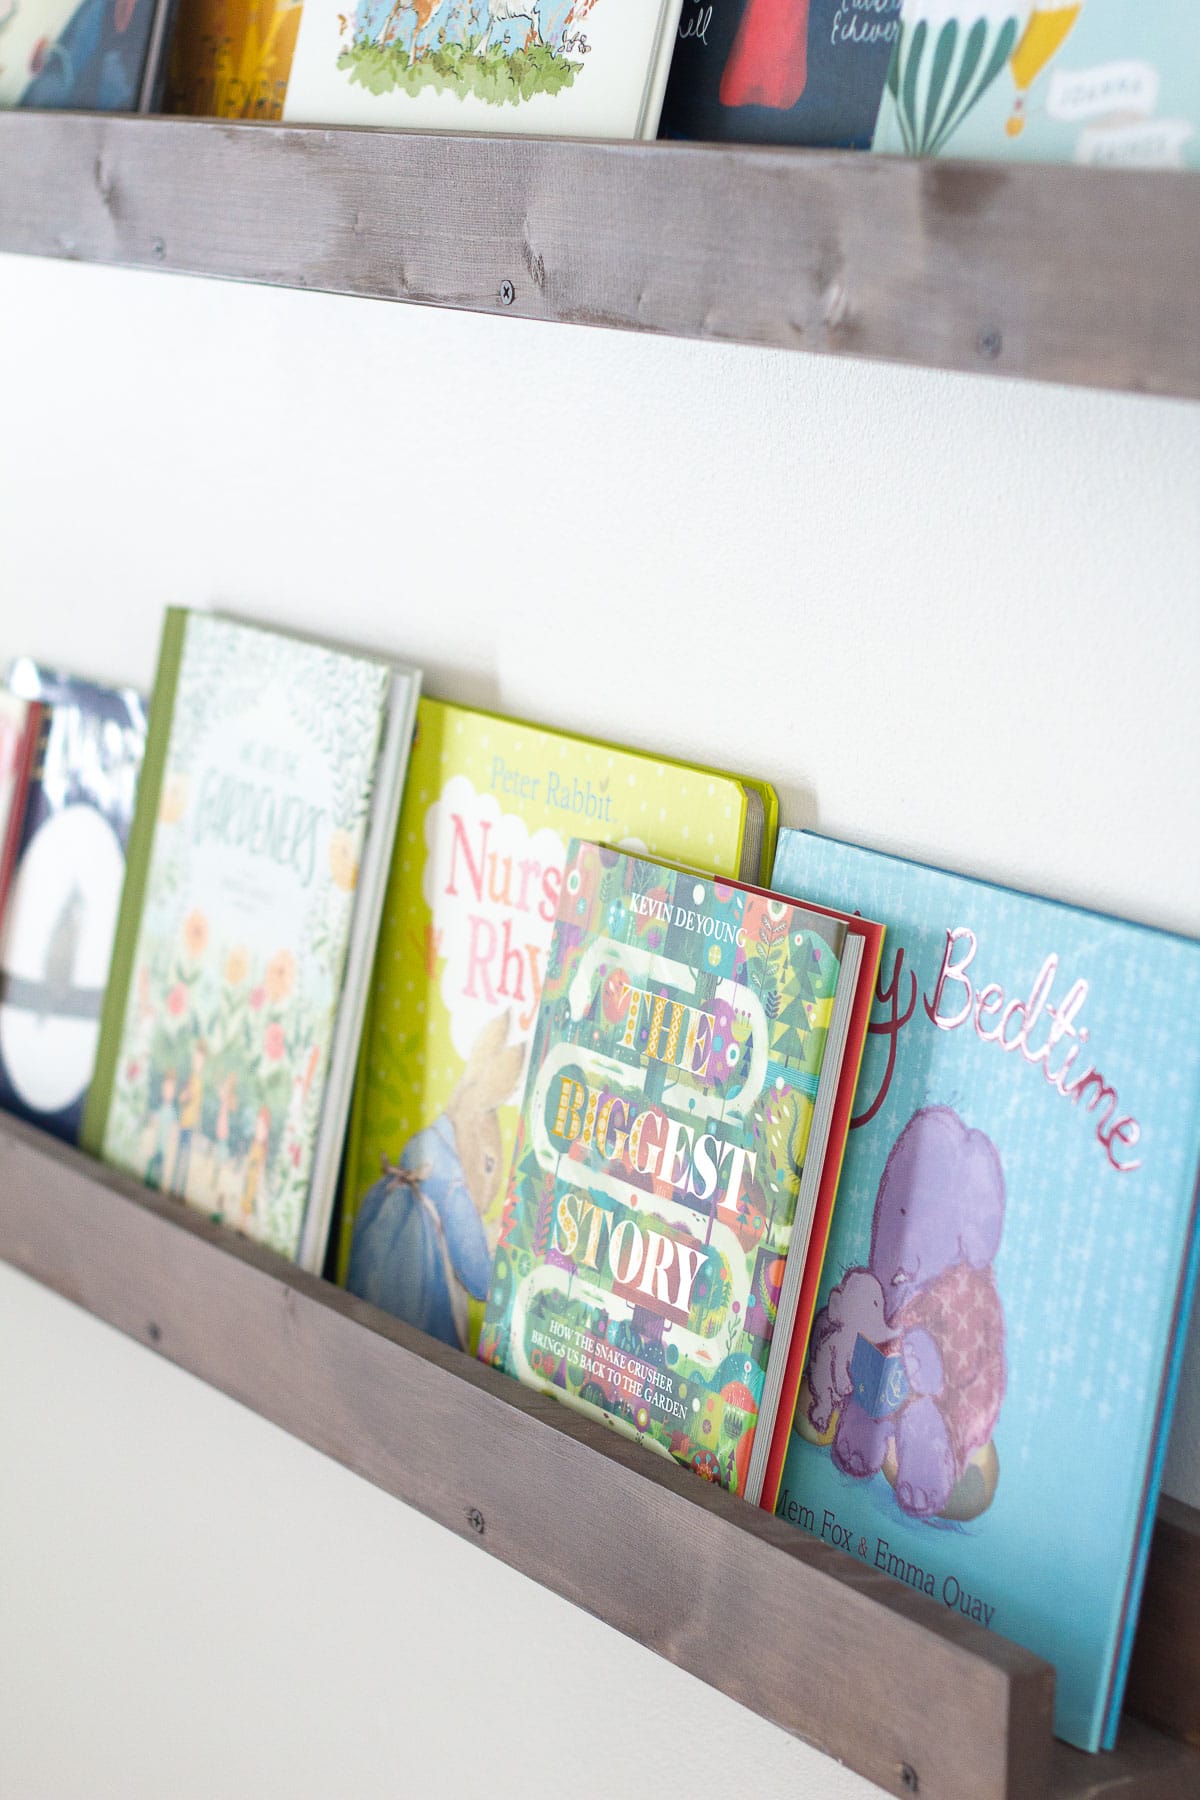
pixel 489 809
pixel 257 860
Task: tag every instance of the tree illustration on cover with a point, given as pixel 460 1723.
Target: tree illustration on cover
pixel 768 65
pixel 947 56
pixel 501 51
pixel 421 1248
pixel 907 1371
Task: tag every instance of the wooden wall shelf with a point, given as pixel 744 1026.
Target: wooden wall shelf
pixel 934 1704
pixel 1060 274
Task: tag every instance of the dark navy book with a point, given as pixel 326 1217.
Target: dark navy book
pixel 62 910
pixel 780 71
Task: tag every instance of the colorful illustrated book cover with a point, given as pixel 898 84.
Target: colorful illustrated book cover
pixel 19 721
pixel 780 71
pixel 1111 83
pixel 62 908
pixel 244 869
pixel 554 68
pixel 98 55
pixel 489 809
pixel 1009 1271
pixel 230 59
pixel 661 1191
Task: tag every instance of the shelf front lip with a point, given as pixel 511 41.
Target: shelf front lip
pixel 828 1648
pixel 1084 276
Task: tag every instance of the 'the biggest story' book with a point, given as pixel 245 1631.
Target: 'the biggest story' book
pixel 680 1128
pixel 1011 1264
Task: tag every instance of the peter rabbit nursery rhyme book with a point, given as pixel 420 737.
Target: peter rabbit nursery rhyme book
pixel 1009 1273
pixel 488 811
pixel 555 68
pixel 61 915
pixel 257 863
pixel 692 1041
pixel 1104 82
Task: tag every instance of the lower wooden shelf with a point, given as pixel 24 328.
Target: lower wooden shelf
pixel 934 1704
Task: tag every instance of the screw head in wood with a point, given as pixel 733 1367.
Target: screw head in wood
pixel 159 249
pixel 507 293
pixel 154 1332
pixel 475 1519
pixel 990 344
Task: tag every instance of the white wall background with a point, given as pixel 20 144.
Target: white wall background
pixel 951 617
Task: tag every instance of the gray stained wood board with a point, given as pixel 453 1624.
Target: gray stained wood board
pixel 869 1671
pixel 1061 274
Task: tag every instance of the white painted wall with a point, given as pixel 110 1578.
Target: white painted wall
pixel 948 616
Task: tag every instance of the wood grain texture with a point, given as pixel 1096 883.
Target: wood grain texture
pixel 1164 1676
pixel 1061 274
pixel 834 1652
pixel 828 1648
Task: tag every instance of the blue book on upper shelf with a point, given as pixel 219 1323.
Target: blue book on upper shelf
pixel 1005 1294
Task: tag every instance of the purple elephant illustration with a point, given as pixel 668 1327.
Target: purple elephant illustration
pixel 910 1351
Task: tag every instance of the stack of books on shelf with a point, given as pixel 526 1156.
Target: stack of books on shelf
pixel 1098 82
pixel 862 1189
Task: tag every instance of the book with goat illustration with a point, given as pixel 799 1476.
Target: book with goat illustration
pixel 257 862
pixel 490 807
pixel 555 68
pixel 755 72
pixel 66 887
pixel 1008 1278
pixel 1108 83
pixel 680 1113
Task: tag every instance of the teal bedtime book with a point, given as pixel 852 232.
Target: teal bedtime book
pixel 1005 1293
pixel 1102 82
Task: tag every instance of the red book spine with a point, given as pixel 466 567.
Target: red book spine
pixel 768 65
pixel 22 770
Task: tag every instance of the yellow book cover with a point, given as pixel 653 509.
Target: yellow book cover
pixel 489 809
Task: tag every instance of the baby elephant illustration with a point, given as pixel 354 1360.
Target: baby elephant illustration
pixel 854 1309
pixel 421 1249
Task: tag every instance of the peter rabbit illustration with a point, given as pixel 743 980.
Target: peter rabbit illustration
pixel 421 1246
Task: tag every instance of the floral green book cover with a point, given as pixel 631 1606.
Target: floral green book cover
pixel 489 808
pixel 253 832
pixel 663 1134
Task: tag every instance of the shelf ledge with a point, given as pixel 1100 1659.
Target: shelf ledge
pixel 1084 276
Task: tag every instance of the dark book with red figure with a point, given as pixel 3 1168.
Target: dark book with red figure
pixel 780 71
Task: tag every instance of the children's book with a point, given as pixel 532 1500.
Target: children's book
pixel 257 864
pixel 555 68
pixel 490 807
pixel 98 55
pixel 1113 83
pixel 1007 1282
pixel 692 1041
pixel 66 888
pixel 230 59
pixel 762 72
pixel 19 721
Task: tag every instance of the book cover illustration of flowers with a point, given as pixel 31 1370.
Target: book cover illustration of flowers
pixel 653 1186
pixel 245 922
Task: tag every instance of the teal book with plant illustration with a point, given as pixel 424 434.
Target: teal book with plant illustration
pixel 688 1053
pixel 1109 83
pixel 255 869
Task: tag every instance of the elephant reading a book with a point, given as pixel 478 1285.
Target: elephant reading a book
pixel 421 1249
pixel 906 1372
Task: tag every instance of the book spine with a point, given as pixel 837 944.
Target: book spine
pixel 1172 1373
pixel 16 817
pixel 137 865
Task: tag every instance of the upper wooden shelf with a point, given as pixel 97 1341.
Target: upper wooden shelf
pixel 1085 276
pixel 912 1695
